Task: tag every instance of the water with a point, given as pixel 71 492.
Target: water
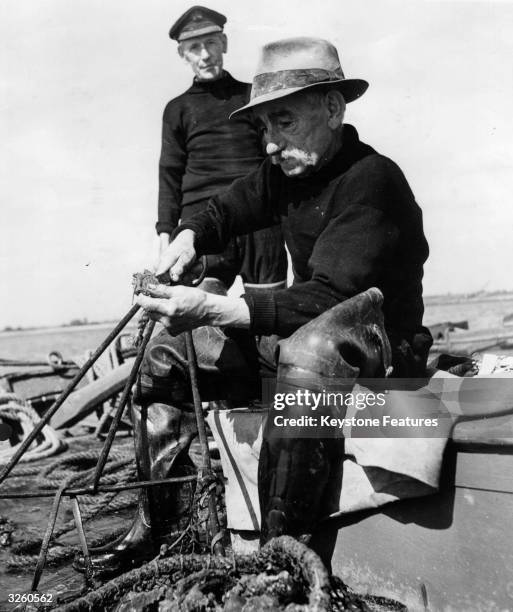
pixel 35 345
pixel 480 314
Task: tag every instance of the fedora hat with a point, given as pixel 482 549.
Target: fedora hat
pixel 293 64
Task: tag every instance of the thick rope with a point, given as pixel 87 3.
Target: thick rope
pixel 76 469
pixel 284 575
pixel 13 409
pixel 59 553
pixel 279 553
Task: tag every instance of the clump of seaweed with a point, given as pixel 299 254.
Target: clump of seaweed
pixel 285 575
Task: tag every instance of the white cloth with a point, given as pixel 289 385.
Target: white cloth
pixel 376 470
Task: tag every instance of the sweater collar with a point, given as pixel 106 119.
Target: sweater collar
pixel 351 151
pixel 224 81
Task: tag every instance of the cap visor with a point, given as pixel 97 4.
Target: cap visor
pixel 199 32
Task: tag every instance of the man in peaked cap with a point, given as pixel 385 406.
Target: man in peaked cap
pixel 203 152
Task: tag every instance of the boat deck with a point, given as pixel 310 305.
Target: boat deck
pixel 30 518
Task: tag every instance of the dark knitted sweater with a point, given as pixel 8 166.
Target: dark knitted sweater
pixel 352 225
pixel 202 150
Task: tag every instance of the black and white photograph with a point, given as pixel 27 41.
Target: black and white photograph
pixel 256 319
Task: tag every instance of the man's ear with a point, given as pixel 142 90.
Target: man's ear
pixel 225 42
pixel 336 106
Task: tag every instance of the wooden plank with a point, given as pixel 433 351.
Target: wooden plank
pixel 38 382
pixel 473 340
pixel 455 547
pixel 492 431
pixel 485 471
pixel 85 400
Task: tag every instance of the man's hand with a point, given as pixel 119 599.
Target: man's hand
pixel 177 308
pixel 178 256
pixel 183 308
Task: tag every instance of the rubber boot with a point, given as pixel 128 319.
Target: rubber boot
pixel 162 436
pixel 296 470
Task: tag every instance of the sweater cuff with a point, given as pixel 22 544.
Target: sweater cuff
pixel 164 226
pixel 198 236
pixel 262 313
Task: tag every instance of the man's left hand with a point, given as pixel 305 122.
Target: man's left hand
pixel 178 308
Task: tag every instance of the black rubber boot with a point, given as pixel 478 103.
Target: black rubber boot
pixel 296 471
pixel 162 436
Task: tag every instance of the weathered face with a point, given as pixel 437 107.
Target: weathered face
pixel 204 54
pixel 298 131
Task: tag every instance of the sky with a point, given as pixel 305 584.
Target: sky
pixel 83 85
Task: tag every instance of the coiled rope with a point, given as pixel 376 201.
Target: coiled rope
pixel 14 409
pixel 75 469
pixel 284 575
pixel 284 568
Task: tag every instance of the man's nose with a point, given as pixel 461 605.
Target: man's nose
pixel 273 148
pixel 204 54
pixel 274 141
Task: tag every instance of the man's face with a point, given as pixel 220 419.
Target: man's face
pixel 204 54
pixel 297 132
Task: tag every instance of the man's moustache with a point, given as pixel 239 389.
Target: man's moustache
pixel 285 156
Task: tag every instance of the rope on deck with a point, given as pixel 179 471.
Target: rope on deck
pixel 77 469
pixel 58 554
pixel 21 414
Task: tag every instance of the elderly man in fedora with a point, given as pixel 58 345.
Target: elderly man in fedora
pixel 355 236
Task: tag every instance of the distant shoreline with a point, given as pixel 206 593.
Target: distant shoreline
pixel 61 329
pixel 438 300
pixel 429 300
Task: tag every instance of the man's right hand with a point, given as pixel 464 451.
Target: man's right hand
pixel 178 256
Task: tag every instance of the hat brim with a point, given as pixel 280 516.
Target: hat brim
pixel 351 89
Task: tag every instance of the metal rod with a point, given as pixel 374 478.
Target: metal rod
pixel 143 484
pixel 47 537
pixel 77 515
pixel 121 408
pixel 202 434
pixel 74 382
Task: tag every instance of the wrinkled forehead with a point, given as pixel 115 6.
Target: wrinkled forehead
pixel 295 104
